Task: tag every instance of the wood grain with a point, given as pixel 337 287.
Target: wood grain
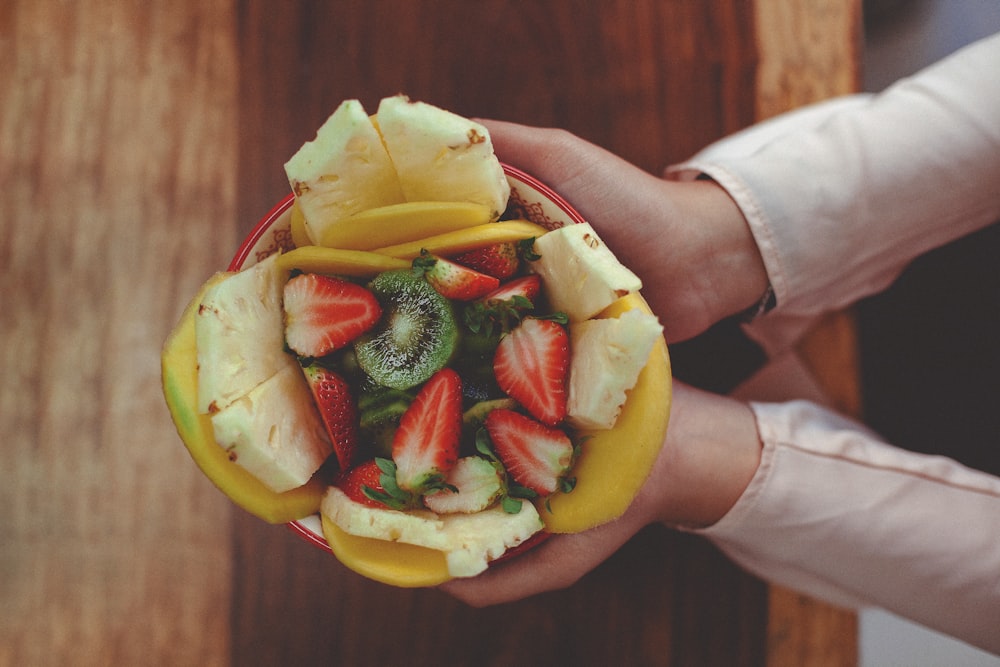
pixel 118 128
pixel 138 141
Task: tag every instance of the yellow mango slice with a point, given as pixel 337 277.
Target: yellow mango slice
pixel 401 223
pixel 179 369
pixel 452 243
pixel 615 463
pixel 334 261
pixel 393 563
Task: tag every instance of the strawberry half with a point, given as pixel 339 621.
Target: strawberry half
pixel 338 409
pixel 363 476
pixel 499 260
pixel 454 281
pixel 425 446
pixel 536 456
pixel 502 308
pixel 526 287
pixel 323 314
pixel 531 366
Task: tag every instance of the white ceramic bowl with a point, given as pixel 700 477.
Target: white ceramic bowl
pixel 530 199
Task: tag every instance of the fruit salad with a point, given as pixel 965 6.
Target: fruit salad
pixel 434 371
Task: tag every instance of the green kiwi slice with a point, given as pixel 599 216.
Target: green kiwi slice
pixel 416 337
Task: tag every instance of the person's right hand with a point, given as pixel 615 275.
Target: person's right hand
pixel 687 241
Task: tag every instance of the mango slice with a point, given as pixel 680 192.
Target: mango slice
pixel 615 462
pixel 452 243
pixel 400 223
pixel 393 563
pixel 334 261
pixel 179 366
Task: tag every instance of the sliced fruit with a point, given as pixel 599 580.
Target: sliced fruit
pixel 467 541
pixel 536 456
pixel 425 447
pixel 500 260
pixel 441 156
pixel 531 365
pixel 179 368
pixel 275 431
pixel 501 310
pixel 239 336
pixel 416 337
pixel 454 281
pixel 381 409
pixel 337 262
pixel 582 276
pixel 477 485
pixel 323 314
pixel 344 170
pixel 356 480
pixel 400 223
pixel 297 226
pixel 608 355
pixel 462 240
pixel 338 410
pixel 614 463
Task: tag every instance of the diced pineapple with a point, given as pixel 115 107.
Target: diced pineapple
pixel 275 431
pixel 441 156
pixel 343 171
pixel 582 276
pixel 469 541
pixel 608 355
pixel 239 335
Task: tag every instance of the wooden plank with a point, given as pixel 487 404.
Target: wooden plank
pixel 118 140
pixel 810 52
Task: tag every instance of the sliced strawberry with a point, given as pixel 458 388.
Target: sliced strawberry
pixel 373 484
pixel 499 260
pixel 538 457
pixel 338 409
pixel 425 446
pixel 323 314
pixel 363 476
pixel 477 486
pixel 526 287
pixel 531 365
pixel 454 281
pixel 502 308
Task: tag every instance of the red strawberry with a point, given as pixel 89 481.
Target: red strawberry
pixel 338 410
pixel 323 314
pixel 526 287
pixel 499 260
pixel 536 456
pixel 531 365
pixel 425 446
pixel 366 475
pixel 452 280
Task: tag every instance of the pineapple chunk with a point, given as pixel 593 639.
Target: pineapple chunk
pixel 275 431
pixel 608 355
pixel 441 156
pixel 468 541
pixel 239 335
pixel 582 276
pixel 345 170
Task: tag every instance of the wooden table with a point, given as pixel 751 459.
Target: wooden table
pixel 139 141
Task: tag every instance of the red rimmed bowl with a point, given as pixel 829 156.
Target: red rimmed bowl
pixel 530 199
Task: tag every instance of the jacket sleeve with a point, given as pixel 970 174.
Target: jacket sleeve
pixel 835 512
pixel 840 198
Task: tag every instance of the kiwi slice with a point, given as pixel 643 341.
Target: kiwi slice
pixel 416 336
pixel 380 411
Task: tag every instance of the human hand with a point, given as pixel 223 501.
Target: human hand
pixel 711 452
pixel 687 241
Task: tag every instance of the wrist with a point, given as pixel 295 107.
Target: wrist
pixel 712 453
